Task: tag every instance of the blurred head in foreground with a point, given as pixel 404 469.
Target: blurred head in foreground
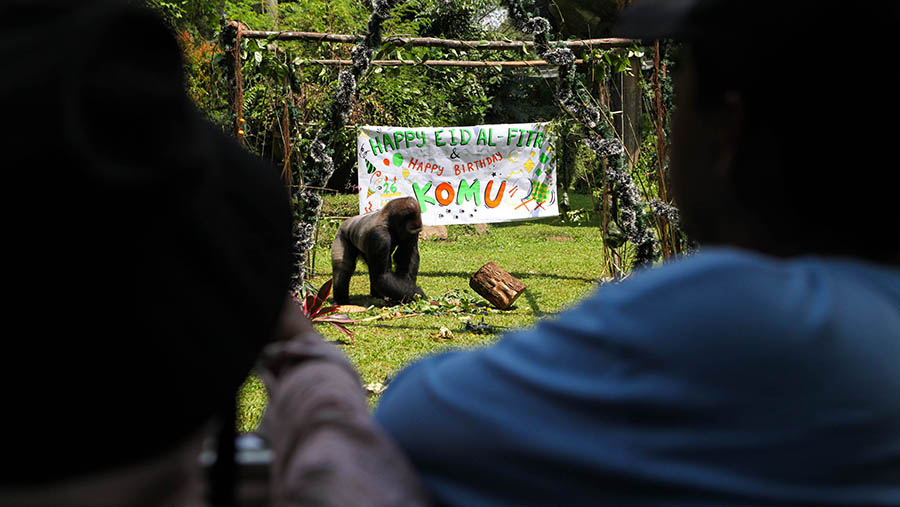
pixel 147 253
pixel 782 114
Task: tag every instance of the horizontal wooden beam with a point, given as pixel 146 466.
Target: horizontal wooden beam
pixel 439 63
pixel 435 42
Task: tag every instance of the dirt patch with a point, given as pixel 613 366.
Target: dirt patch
pixel 561 238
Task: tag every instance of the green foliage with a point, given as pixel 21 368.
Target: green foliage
pixel 175 13
pixel 579 216
pixel 452 19
pixel 608 62
pixel 448 97
pixel 341 205
pixel 314 308
pixel 278 71
pixel 270 77
pixel 248 12
pixel 200 17
pixel 206 81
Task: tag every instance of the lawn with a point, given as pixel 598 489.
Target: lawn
pixel 557 260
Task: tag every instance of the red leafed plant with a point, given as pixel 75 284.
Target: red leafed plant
pixel 314 309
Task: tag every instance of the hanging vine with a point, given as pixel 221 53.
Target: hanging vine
pixel 319 164
pixel 573 97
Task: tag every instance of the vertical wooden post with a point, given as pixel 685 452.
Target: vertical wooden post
pixel 311 256
pixel 612 257
pixel 669 246
pixel 603 206
pixel 240 123
pixel 286 173
pixel 604 195
pixel 566 153
pixel 631 111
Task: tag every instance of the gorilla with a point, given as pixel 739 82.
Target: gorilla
pixel 394 229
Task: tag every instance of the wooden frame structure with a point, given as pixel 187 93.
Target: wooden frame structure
pixel 466 45
pixel 481 45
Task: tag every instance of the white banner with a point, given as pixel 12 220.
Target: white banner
pixel 460 175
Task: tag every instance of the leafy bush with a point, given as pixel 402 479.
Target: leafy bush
pixel 206 83
pixel 314 309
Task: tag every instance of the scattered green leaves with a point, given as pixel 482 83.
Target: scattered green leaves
pixel 452 302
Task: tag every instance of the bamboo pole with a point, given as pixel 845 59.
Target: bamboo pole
pixel 238 96
pixel 435 42
pixel 441 63
pixel 286 172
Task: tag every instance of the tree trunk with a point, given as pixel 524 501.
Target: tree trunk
pixel 271 8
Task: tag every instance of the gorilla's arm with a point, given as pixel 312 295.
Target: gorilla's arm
pixel 384 282
pixel 406 261
pixel 343 264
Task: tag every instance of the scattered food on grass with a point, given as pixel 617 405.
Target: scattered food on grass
pixel 480 328
pixel 373 388
pixel 443 334
pixel 351 308
pixel 386 314
pixel 453 302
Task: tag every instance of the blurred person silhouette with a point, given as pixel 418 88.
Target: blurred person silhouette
pixel 762 370
pixel 147 266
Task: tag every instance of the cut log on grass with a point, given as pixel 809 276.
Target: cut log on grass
pixel 496 285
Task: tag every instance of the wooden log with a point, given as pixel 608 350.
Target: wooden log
pixel 439 63
pixel 438 43
pixel 496 285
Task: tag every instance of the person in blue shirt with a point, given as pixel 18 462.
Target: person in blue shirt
pixel 762 370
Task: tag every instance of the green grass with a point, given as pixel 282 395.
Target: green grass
pixel 558 261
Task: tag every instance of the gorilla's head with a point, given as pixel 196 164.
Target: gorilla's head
pixel 403 217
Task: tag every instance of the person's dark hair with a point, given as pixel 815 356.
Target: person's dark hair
pixel 816 105
pixel 147 253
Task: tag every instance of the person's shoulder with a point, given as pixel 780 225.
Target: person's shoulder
pixel 712 277
pixel 723 265
pixel 729 292
pixel 727 274
pixel 667 310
